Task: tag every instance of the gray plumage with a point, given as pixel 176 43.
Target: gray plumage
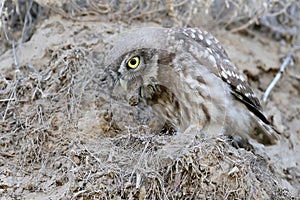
pixel 187 77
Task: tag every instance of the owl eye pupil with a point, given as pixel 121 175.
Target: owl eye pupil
pixel 133 62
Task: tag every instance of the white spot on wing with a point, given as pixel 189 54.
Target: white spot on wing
pixel 200 36
pixel 219 46
pixel 234 74
pixel 229 73
pixel 209 50
pixel 239 87
pixel 222 68
pixel 193 35
pixel 224 75
pixel 208 41
pixel 212 59
pixel 216 40
pixel 248 94
pixel 242 78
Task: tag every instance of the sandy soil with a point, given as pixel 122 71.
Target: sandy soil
pixel 63 136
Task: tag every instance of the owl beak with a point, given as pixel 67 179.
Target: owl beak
pixel 123 84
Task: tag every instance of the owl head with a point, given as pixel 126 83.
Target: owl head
pixel 136 59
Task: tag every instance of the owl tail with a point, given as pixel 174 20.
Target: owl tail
pixel 265 133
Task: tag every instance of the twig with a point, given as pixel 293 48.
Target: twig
pixel 78 193
pixel 245 26
pixel 5 100
pixel 287 61
pixel 254 19
pixel 136 166
pixel 93 156
pixel 17 81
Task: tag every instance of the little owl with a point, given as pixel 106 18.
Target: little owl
pixel 185 75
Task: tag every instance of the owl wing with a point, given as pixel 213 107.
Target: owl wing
pixel 230 74
pixel 242 92
pixel 226 70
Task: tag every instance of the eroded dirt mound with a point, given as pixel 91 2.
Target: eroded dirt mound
pixel 64 134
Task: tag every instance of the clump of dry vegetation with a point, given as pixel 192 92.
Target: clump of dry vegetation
pixel 64 134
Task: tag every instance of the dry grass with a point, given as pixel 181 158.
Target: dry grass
pixel 64 136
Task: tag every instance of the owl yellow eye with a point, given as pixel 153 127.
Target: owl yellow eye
pixel 133 62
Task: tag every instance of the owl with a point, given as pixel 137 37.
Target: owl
pixel 185 75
